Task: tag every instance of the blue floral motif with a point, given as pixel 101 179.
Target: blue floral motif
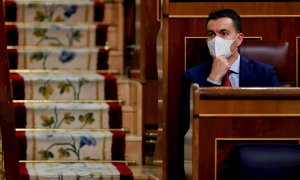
pixel 67 148
pixel 49 136
pixel 55 27
pixel 66 56
pixel 89 141
pixel 70 10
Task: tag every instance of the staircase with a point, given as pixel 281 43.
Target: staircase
pixel 77 116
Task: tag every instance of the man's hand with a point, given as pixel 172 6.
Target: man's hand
pixel 219 68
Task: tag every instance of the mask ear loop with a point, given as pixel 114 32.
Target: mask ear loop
pixel 236 46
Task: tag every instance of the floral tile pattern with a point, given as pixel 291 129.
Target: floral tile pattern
pixel 57 35
pixel 69 145
pixel 102 171
pixel 67 115
pixel 66 35
pixel 59 58
pixel 64 86
pixel 65 11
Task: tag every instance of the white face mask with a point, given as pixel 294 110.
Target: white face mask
pixel 220 47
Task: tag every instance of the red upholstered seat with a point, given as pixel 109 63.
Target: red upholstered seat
pixel 275 53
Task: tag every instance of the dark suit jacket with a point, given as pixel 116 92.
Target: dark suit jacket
pixel 252 74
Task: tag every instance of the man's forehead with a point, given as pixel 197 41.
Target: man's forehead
pixel 220 24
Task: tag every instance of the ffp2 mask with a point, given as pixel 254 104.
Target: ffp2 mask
pixel 220 47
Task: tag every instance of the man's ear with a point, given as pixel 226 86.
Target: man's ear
pixel 240 39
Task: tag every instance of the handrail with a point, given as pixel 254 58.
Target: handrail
pixel 7 123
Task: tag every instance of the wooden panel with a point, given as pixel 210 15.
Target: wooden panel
pixel 148 68
pixel 245 8
pixel 149 30
pixel 129 33
pixel 224 117
pixel 171 81
pixel 265 128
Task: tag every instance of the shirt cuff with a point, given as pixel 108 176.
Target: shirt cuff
pixel 213 82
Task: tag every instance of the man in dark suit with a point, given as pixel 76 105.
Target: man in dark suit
pixel 228 67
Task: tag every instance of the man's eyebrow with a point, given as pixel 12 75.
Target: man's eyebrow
pixel 222 30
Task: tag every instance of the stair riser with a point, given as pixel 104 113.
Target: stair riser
pixel 63 86
pixel 108 12
pixel 71 145
pixel 71 171
pixel 133 149
pixel 68 115
pixel 86 11
pixel 58 58
pixel 80 35
pixel 130 92
pixel 54 11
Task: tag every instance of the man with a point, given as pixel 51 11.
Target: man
pixel 228 67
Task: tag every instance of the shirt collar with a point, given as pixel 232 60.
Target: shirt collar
pixel 235 67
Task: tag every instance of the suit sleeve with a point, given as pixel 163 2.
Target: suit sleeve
pixel 273 79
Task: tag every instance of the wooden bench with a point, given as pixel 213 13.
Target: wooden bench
pixel 225 117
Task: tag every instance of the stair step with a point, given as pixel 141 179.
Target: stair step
pixel 54 11
pixel 61 34
pixel 144 172
pixel 58 58
pixel 54 171
pixel 134 148
pixel 68 115
pixel 63 86
pixel 71 145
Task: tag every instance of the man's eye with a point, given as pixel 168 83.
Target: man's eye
pixel 211 35
pixel 225 33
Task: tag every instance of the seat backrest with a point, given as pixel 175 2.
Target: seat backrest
pixel 275 53
pixel 263 162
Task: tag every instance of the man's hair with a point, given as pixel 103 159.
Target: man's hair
pixel 229 13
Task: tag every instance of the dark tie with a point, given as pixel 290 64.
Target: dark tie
pixel 226 81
